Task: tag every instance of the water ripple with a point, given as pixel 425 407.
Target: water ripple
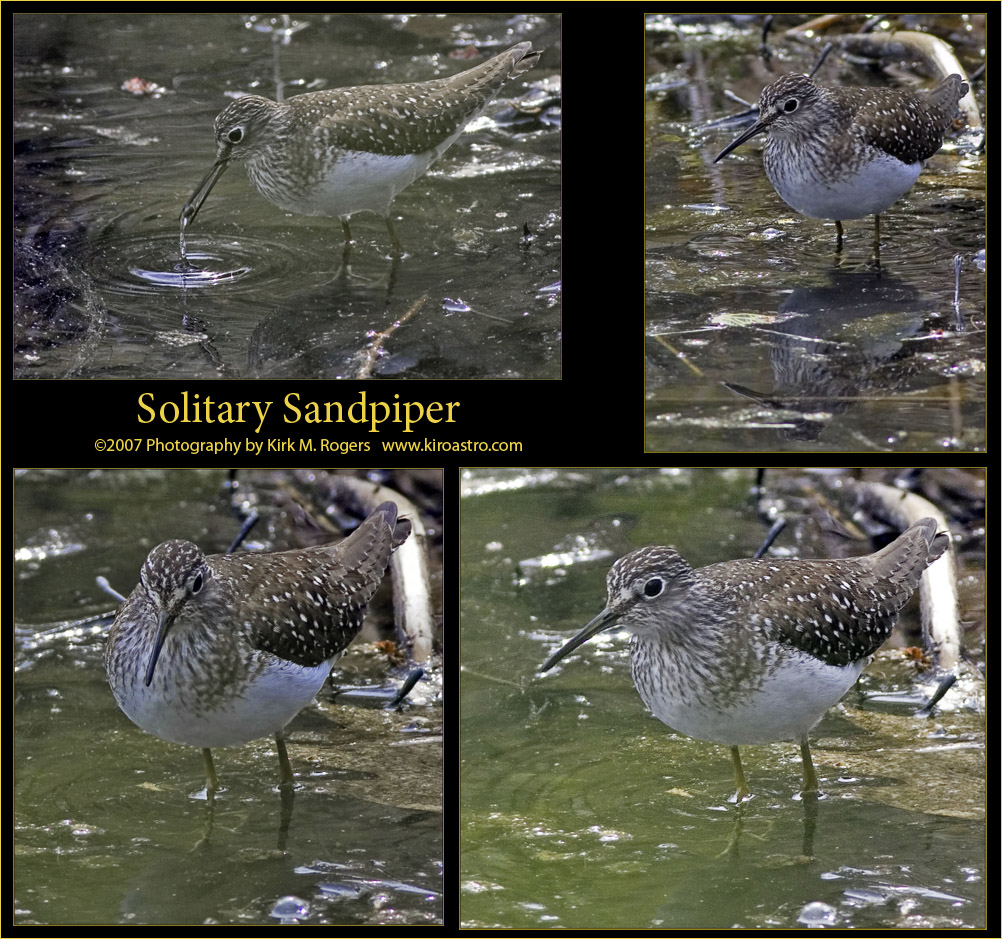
pixel 144 264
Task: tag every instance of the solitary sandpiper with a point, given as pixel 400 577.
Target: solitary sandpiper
pixel 217 650
pixel 351 150
pixel 844 153
pixel 756 651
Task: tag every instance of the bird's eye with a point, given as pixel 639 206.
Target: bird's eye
pixel 235 135
pixel 791 105
pixel 654 587
pixel 196 584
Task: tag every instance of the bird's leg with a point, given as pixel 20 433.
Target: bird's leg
pixel 838 238
pixel 876 238
pixel 211 780
pixel 346 250
pixel 742 792
pixel 286 778
pixel 810 777
pixel 397 250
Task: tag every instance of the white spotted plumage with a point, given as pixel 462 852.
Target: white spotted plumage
pixel 217 650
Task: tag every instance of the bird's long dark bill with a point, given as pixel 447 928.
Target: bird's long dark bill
pixel 605 620
pixel 199 196
pixel 756 128
pixel 163 624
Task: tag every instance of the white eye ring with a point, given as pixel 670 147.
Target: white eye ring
pixel 654 587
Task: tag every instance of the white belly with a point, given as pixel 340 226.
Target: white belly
pixel 813 192
pixel 355 182
pixel 265 705
pixel 783 706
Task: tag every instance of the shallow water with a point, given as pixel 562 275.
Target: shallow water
pixel 111 825
pixel 759 336
pixel 101 176
pixel 581 811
